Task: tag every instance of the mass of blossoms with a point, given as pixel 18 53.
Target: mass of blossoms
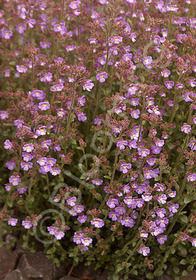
pixel 98 125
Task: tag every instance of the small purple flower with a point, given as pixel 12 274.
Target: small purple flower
pixel 15 180
pixel 173 208
pixel 82 219
pixel 27 224
pixel 86 241
pixel 59 234
pixel 127 222
pixel 21 189
pixel 55 171
pixel 28 147
pixel 193 242
pixel 172 194
pixel 47 77
pixel 81 116
pixel 26 165
pixel 186 128
pixel 143 234
pixel 112 215
pixel 71 201
pixel 161 212
pixel 165 73
pixel 151 161
pixel 147 196
pixel 21 68
pixel 57 87
pixel 27 157
pixel 112 202
pixel 162 199
pixel 120 210
pixel 6 34
pixel 4 115
pixel 116 40
pixel 144 251
pixel 11 164
pixel 41 131
pixel 44 106
pixel 39 94
pixel 130 202
pixel 12 222
pixel 169 84
pixel 97 182
pixel 161 239
pixel 8 187
pixel 143 152
pixel 191 177
pixel 21 28
pixel 124 167
pixel 52 230
pixel 162 222
pixel 135 114
pixel 78 208
pixel 101 77
pixel 88 85
pixel 78 237
pixel 147 61
pixel 45 45
pixel 121 144
pixel 98 223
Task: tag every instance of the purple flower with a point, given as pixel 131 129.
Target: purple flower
pixel 162 222
pixel 45 45
pixel 169 84
pixel 135 114
pixel 88 85
pixel 28 147
pixel 78 237
pixel 143 152
pixel 161 239
pixel 116 40
pixel 4 115
pixel 71 201
pixel 21 28
pixel 55 170
pixel 147 61
pixel 57 87
pixel 26 165
pixel 59 234
pixel 97 182
pixel 112 202
pixel 193 242
pixel 165 73
pixel 101 77
pixel 47 77
pixel 112 215
pixel 27 157
pixel 6 34
pixel 144 251
pixel 15 180
pixel 11 164
pixel 162 199
pixel 8 187
pixel 12 222
pixel 86 241
pixel 143 234
pixel 120 210
pixel 27 224
pixel 121 144
pixel 124 167
pixel 171 194
pixel 52 230
pixel 81 116
pixel 147 196
pixel 21 68
pixel 191 177
pixel 41 131
pixel 21 189
pixel 186 128
pixel 151 161
pixel 44 106
pixel 127 222
pixel 78 208
pixel 139 202
pixel 161 212
pixel 82 219
pixel 39 94
pixel 173 208
pixel 130 202
pixel 98 223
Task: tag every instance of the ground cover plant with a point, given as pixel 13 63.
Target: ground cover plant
pixel 98 132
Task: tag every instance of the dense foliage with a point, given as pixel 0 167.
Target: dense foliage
pixel 98 132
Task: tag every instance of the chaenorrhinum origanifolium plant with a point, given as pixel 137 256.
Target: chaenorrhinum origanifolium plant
pixel 98 117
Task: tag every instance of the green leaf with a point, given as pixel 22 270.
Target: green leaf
pixel 158 272
pixel 176 269
pixel 183 261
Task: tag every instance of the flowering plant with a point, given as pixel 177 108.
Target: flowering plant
pixel 98 127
